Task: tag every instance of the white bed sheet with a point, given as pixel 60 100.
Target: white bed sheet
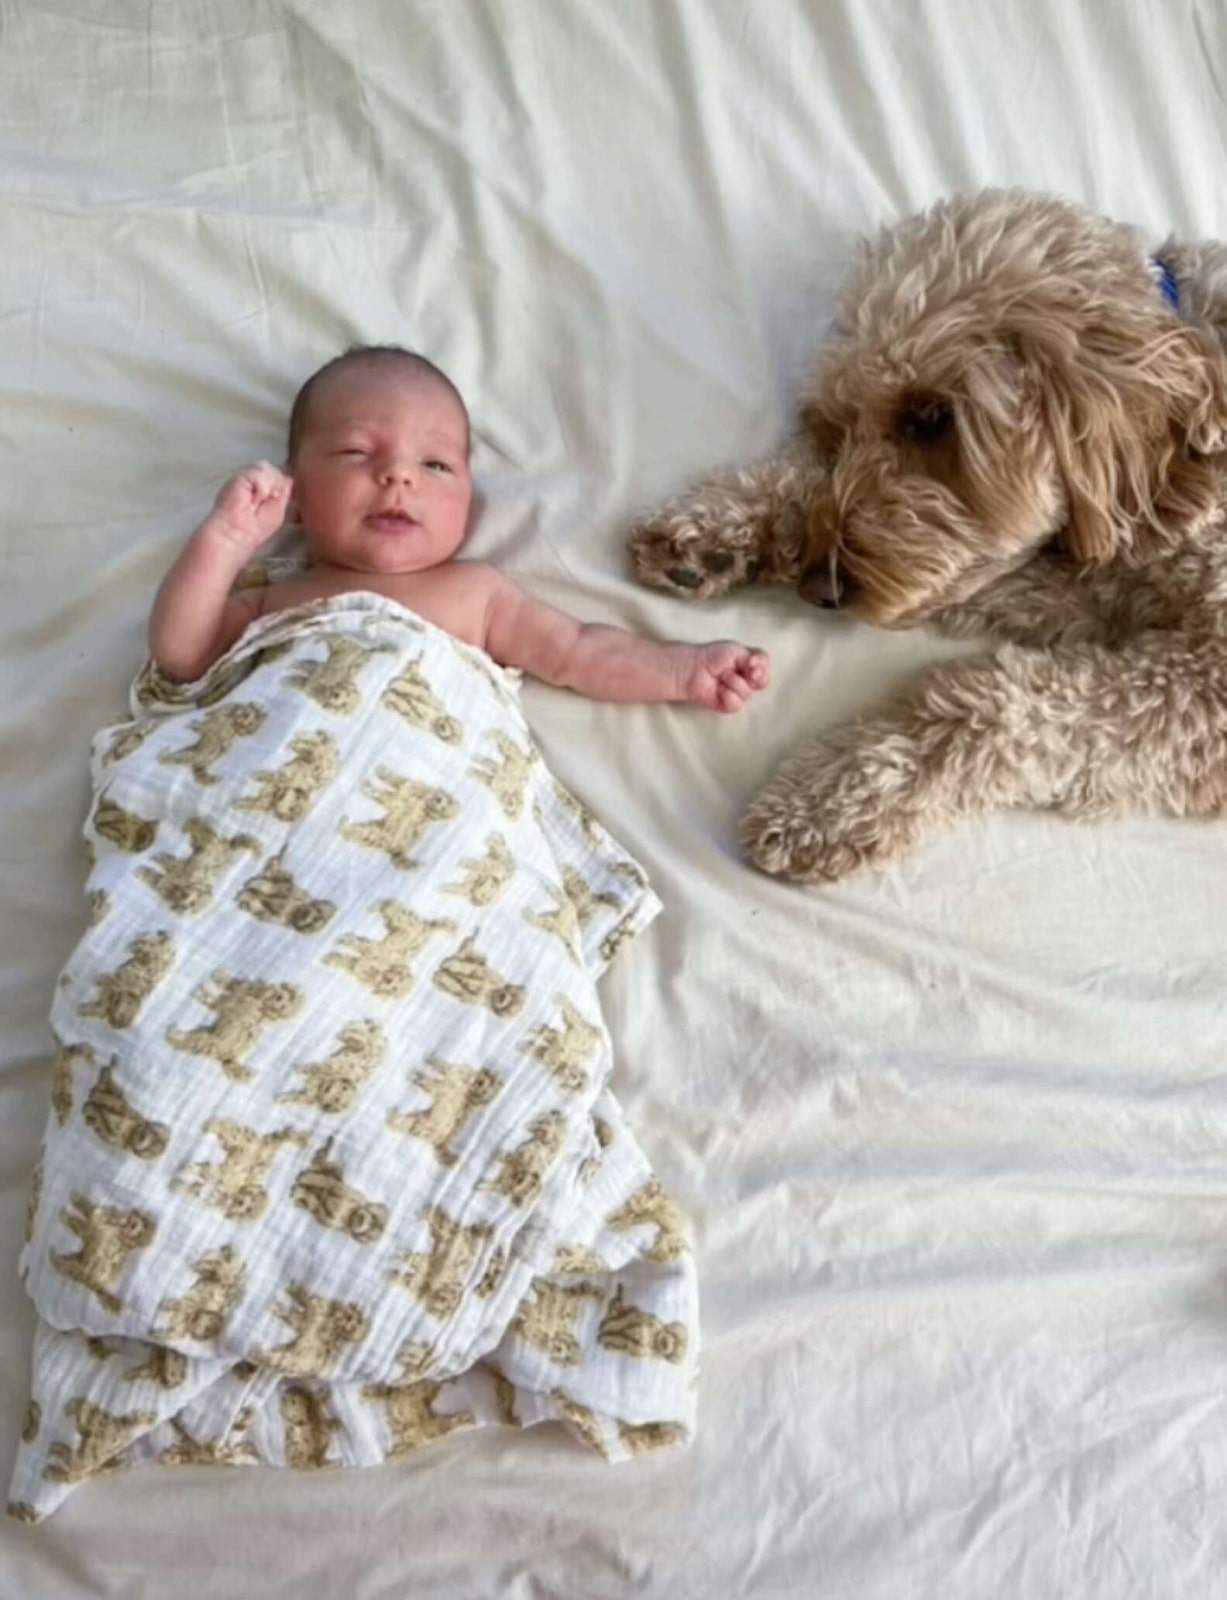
pixel 954 1138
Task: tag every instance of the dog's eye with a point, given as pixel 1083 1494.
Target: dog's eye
pixel 924 421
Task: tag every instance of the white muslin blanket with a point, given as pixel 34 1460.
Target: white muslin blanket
pixel 331 1166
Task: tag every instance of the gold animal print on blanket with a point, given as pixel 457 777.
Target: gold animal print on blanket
pixel 547 1317
pixel 604 1136
pixel 36 1195
pixel 103 1435
pixel 32 1423
pixel 490 1279
pixel 583 1419
pixel 438 1276
pixel 411 697
pixel 23 1511
pixel 188 883
pixel 558 920
pixel 508 778
pixel 124 829
pixel 332 1086
pixel 307 1427
pixel 220 1281
pixel 483 878
pixel 412 1421
pixel 644 1436
pixel 108 1235
pixel 466 975
pixel 109 1114
pixel 289 791
pixel 592 830
pixel 415 1358
pixel 522 1170
pixel 66 1058
pixel 382 965
pixel 321 1328
pixel 121 994
pixel 617 937
pixel 333 683
pixel 564 1051
pixel 576 1261
pixel 166 1368
pixel 190 1452
pixel 273 896
pixel 504 1395
pixel 409 809
pixel 244 1008
pixel 235 1185
pixel 631 1331
pixel 651 1206
pixel 456 1092
pixel 320 1189
pixel 127 742
pixel 215 732
pixel 97 904
pixel 584 898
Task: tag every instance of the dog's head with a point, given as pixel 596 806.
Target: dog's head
pixel 1006 374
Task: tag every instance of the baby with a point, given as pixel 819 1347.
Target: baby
pixel 378 477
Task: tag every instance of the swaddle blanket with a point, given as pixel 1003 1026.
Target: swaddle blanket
pixel 331 1167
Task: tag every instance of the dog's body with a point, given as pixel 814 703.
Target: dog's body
pixel 1013 432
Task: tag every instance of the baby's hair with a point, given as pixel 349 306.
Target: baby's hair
pixel 364 352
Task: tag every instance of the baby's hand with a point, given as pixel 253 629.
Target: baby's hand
pixel 726 674
pixel 250 507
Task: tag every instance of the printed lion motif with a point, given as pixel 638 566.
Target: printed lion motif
pixel 121 994
pixel 215 732
pixel 202 1312
pixel 108 1235
pixel 288 792
pixel 188 883
pixel 634 1332
pixel 456 1092
pixel 244 1008
pixel 409 809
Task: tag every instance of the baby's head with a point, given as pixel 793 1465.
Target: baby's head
pixel 379 454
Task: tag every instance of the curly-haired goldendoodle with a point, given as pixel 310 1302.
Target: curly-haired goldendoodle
pixel 1018 428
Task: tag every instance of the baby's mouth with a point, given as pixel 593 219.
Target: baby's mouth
pixel 392 521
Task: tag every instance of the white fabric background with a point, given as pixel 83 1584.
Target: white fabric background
pixel 955 1137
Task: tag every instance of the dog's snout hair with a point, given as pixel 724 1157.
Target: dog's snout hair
pixel 1008 374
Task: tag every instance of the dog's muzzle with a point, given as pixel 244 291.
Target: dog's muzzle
pixel 825 583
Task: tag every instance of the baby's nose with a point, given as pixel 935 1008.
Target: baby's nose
pixel 399 472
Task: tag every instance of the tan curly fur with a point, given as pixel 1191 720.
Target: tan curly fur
pixel 1012 433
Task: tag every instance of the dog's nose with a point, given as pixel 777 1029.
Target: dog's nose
pixel 822 584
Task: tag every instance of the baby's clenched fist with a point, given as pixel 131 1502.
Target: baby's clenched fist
pixel 725 674
pixel 250 507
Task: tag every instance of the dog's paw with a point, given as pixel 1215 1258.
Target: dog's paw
pixel 830 813
pixel 688 559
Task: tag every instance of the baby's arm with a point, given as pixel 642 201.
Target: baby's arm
pixel 611 664
pixel 195 618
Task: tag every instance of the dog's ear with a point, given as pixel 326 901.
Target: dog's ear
pixel 1135 407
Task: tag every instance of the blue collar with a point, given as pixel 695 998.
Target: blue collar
pixel 1165 279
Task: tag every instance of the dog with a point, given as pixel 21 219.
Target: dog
pixel 1017 428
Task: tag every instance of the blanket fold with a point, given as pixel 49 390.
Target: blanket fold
pixel 332 1167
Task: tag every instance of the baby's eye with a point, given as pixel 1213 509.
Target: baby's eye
pixel 439 466
pixel 351 450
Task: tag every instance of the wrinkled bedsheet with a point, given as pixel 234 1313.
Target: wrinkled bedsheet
pixel 952 1138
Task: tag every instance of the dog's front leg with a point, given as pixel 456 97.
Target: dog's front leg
pixel 739 526
pixel 1079 729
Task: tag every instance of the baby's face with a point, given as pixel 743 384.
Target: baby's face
pixel 381 478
